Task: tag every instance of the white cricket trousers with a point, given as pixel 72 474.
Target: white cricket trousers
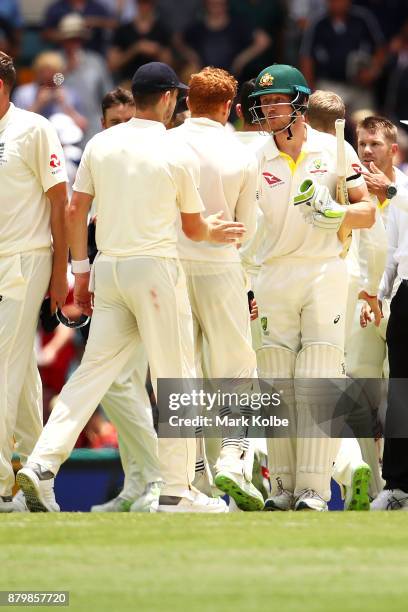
pixel 222 338
pixel 24 280
pixel 137 300
pixel 302 306
pixel 118 404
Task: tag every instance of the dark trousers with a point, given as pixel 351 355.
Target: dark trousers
pixel 395 460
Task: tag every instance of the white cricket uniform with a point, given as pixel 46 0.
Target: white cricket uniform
pixel 215 278
pixel 140 185
pixel 366 348
pixel 31 162
pixel 301 293
pixel 247 252
pixel 366 354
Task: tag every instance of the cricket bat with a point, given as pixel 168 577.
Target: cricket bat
pixel 344 232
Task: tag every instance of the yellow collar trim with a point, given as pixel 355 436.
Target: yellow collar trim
pixel 381 205
pixel 291 162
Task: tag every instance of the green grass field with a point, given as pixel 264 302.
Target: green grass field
pixel 253 561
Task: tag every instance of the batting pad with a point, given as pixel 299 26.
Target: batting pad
pixel 275 362
pixel 316 455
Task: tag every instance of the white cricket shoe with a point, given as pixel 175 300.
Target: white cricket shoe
pixel 117 504
pixel 192 501
pixel 284 500
pixel 246 496
pixel 37 485
pixel 19 502
pixel 149 500
pixel 357 497
pixel 390 499
pixel 6 503
pixel 308 499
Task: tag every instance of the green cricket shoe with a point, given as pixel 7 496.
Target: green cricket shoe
pixel 357 497
pixel 245 495
pixel 117 504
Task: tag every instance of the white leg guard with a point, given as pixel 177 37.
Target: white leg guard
pixel 315 455
pixel 369 450
pixel 349 455
pixel 276 362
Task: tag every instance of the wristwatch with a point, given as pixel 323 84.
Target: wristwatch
pixel 391 191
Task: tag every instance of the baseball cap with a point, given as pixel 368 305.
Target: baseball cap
pixel 154 77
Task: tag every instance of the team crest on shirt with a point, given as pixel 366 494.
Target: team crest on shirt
pixel 55 163
pixel 317 166
pixel 264 325
pixel 271 179
pixel 266 80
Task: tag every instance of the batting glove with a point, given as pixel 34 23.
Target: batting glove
pixel 318 207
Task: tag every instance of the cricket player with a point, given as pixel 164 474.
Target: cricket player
pixel 301 289
pixel 215 278
pixel 377 147
pixel 33 261
pixel 350 471
pixel 140 185
pixel 132 419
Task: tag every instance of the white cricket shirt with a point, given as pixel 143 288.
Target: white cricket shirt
pixel 228 179
pixel 253 140
pixel 367 258
pixel 397 235
pixel 31 162
pixel 140 183
pixel 287 233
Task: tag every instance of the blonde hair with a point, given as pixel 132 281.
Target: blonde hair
pixel 323 110
pixel 210 88
pixel 49 59
pixel 379 124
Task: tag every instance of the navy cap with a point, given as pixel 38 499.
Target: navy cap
pixel 154 77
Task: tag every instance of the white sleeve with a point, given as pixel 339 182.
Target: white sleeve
pixel 390 272
pixel 83 181
pixel 400 200
pixel 45 155
pixel 245 210
pixel 372 255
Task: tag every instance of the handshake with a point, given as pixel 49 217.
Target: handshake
pixel 318 207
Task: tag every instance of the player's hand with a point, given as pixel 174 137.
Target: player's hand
pixel 377 181
pixel 58 291
pixel 253 309
pixel 371 309
pixel 318 207
pixel 224 231
pixel 83 298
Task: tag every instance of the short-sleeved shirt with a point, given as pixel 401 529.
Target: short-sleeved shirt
pixel 337 49
pixel 31 162
pixel 127 35
pixel 228 180
pixel 286 232
pixel 219 47
pixel 140 184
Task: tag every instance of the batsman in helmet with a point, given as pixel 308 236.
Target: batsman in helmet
pixel 301 289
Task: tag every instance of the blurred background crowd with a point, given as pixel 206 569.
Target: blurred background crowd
pixel 70 53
